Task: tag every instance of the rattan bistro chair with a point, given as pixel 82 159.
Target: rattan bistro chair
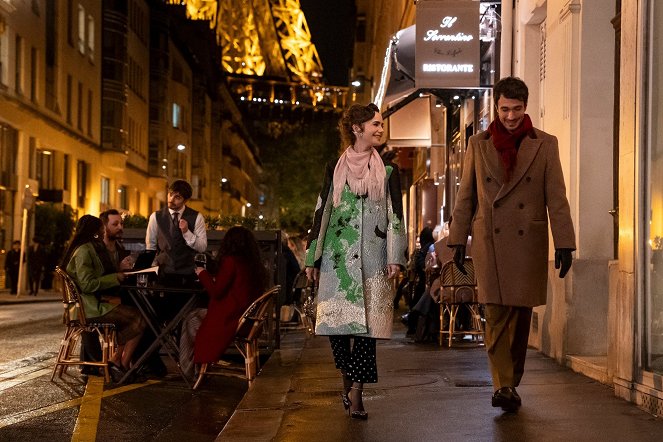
pixel 76 323
pixel 458 290
pixel 248 332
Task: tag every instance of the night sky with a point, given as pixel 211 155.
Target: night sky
pixel 332 25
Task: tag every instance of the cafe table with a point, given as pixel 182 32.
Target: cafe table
pixel 146 299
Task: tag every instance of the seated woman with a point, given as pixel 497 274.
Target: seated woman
pixel 239 281
pixel 84 262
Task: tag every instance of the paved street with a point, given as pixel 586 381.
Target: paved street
pixel 32 408
pixel 425 393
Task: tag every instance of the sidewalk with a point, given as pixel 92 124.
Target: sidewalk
pixel 42 296
pixel 428 393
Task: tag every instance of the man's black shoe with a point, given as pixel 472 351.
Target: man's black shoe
pixel 516 396
pixel 505 399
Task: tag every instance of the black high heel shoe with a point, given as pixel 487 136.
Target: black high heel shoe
pixel 357 414
pixel 346 401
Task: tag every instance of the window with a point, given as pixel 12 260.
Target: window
pixel 18 78
pixel 81 185
pixel 69 86
pixel 105 193
pixel 34 60
pixel 89 112
pixel 123 197
pixel 177 116
pixel 71 21
pixel 50 56
pixel 45 168
pixel 80 106
pixel 3 58
pixel 81 29
pixel 66 179
pixel 32 164
pixel 90 37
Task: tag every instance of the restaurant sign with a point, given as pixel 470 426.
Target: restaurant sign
pixel 447 47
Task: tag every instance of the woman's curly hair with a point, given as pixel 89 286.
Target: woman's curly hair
pixel 357 114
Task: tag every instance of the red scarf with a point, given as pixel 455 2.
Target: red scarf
pixel 507 143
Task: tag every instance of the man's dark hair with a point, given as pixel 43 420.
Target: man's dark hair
pixel 106 213
pixel 181 187
pixel 511 87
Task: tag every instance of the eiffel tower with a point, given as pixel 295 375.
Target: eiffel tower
pixel 272 66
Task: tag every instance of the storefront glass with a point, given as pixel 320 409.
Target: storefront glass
pixel 8 153
pixel 653 306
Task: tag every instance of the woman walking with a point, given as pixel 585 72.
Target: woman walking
pixel 356 244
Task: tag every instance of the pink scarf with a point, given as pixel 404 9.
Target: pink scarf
pixel 364 172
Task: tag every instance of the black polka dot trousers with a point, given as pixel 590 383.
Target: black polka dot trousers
pixel 358 360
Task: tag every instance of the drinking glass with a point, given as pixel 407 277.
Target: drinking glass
pixel 200 260
pixel 141 280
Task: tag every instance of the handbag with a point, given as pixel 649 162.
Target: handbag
pixel 309 307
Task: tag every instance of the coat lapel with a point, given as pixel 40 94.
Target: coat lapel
pixel 491 160
pixel 526 153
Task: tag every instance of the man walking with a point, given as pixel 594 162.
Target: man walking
pixel 36 259
pixel 12 264
pixel 512 184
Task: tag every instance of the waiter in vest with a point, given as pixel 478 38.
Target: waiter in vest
pixel 177 233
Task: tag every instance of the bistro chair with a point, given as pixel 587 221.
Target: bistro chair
pixel 458 290
pixel 248 332
pixel 76 323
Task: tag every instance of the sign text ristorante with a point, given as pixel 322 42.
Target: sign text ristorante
pixel 447 44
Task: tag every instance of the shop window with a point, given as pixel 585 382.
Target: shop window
pixel 653 221
pixel 8 155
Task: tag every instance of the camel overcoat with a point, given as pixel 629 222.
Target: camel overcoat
pixel 509 220
pixel 352 245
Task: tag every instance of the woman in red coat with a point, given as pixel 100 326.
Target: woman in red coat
pixel 239 281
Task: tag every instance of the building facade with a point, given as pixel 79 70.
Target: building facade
pixel 102 104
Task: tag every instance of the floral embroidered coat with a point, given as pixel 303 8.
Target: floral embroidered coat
pixel 351 245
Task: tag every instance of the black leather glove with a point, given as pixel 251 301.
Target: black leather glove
pixel 459 258
pixel 563 259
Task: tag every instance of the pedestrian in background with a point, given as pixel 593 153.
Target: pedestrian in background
pixel 36 262
pixel 356 243
pixel 512 184
pixel 12 263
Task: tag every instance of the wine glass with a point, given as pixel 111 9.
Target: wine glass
pixel 200 260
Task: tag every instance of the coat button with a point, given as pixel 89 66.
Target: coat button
pixel 497 230
pixel 356 256
pixel 489 179
pixel 528 179
pixel 521 232
pixel 521 206
pixel 356 226
pixel 496 205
